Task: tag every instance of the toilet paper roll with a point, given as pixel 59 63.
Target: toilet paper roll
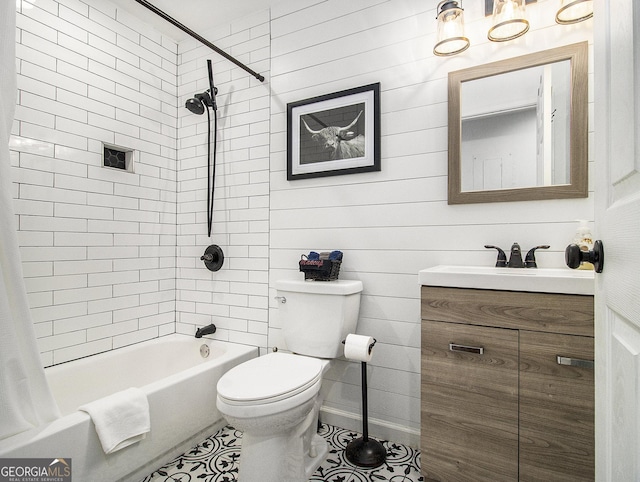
pixel 356 347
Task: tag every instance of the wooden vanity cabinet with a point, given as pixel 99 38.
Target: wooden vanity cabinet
pixel 496 403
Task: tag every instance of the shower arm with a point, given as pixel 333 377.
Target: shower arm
pixel 196 36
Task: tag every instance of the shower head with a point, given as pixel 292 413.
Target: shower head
pixel 195 105
pixel 199 102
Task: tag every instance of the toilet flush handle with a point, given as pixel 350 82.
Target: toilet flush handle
pixel 281 299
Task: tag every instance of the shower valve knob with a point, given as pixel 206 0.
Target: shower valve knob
pixel 213 257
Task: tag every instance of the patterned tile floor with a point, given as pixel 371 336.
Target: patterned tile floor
pixel 217 460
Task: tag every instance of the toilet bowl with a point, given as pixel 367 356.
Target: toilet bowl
pixel 275 399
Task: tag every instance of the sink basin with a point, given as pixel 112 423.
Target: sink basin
pixel 544 280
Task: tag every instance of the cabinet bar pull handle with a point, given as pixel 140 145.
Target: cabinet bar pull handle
pixel 574 362
pixel 467 349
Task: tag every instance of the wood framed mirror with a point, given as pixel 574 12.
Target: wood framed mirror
pixel 518 128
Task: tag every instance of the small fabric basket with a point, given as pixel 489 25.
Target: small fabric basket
pixel 320 269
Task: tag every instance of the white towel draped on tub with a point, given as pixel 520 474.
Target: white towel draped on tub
pixel 121 419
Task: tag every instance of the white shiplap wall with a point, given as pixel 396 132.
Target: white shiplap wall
pixel 97 244
pixel 393 223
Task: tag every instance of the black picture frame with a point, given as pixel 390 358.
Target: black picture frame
pixel 334 134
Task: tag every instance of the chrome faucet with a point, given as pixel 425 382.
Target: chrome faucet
pixel 515 257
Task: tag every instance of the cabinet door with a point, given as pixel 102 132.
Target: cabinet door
pixel 469 416
pixel 556 408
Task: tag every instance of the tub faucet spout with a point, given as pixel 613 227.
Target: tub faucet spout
pixel 207 330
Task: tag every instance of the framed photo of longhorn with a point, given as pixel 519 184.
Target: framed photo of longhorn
pixel 334 134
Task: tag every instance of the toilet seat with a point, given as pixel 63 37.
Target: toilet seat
pixel 269 379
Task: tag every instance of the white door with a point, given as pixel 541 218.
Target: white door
pixel 617 156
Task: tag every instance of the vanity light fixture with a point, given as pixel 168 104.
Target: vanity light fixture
pixel 574 11
pixel 451 39
pixel 509 20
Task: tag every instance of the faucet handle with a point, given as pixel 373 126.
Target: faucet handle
pixel 501 262
pixel 530 258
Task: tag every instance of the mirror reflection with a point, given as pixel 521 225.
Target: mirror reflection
pixel 515 129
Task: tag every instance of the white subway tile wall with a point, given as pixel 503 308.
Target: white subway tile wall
pixel 98 244
pixel 236 297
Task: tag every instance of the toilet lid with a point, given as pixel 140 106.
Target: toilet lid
pixel 269 378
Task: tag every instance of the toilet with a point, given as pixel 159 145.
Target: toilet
pixel 275 399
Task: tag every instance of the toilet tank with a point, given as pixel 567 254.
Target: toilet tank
pixel 317 315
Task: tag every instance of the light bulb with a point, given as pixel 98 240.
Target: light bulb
pixel 509 20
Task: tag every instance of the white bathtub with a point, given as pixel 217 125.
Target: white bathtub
pixel 180 386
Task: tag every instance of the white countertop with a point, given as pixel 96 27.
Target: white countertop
pixel 544 280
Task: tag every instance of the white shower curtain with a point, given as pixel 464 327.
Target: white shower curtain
pixel 25 398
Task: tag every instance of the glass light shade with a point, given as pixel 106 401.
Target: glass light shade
pixel 509 20
pixel 574 11
pixel 450 39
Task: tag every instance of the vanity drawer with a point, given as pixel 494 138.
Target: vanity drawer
pixel 546 312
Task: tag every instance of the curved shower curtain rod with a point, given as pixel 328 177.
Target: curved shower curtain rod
pixel 197 36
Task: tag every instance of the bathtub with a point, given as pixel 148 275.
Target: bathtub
pixel 181 388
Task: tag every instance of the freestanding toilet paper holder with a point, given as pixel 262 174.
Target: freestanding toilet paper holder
pixel 363 451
